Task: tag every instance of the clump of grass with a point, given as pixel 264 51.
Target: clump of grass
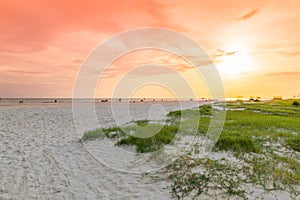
pixel 237 144
pixel 92 135
pixel 296 103
pixel 191 177
pixel 111 132
pixel 294 143
pixel 216 176
pixel 142 122
pixel 174 114
pixel 150 144
pixel 203 125
pixel 205 109
pixel 272 172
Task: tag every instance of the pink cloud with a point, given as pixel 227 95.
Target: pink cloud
pixel 249 14
pixel 30 26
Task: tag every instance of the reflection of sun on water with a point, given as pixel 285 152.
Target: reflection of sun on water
pixel 235 64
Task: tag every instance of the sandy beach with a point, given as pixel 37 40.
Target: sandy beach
pixel 139 99
pixel 41 158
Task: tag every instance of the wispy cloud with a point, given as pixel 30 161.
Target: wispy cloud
pixel 26 72
pixel 249 14
pixel 219 54
pixel 285 73
pixel 77 61
pixel 289 53
pixel 129 62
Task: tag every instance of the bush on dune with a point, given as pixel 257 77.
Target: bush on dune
pixel 296 103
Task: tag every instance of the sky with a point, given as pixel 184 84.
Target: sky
pixel 255 45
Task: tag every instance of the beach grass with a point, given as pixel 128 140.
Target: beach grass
pixel 150 144
pixel 244 130
pixel 263 136
pixel 93 134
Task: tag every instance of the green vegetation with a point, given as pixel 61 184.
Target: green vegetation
pixel 150 144
pixel 256 134
pixel 210 177
pixel 264 138
pixel 112 132
pixel 164 135
pixel 92 135
pixel 142 122
pixel 174 114
pixel 273 121
pixel 296 103
pixel 191 177
pixel 237 144
pixel 205 109
pixel 294 142
pixel 143 144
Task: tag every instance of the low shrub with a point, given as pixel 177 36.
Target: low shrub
pixel 296 103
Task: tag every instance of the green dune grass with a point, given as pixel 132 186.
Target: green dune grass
pixel 264 136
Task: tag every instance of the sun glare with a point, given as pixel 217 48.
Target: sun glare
pixel 235 64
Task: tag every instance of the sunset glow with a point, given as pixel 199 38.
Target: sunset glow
pixel 254 44
pixel 238 63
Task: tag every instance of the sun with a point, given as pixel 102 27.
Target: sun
pixel 234 63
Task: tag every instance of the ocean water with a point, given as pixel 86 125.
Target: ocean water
pixel 41 157
pixel 15 101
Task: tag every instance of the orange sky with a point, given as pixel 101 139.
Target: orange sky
pixel 254 44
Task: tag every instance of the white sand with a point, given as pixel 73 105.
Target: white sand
pixel 41 159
